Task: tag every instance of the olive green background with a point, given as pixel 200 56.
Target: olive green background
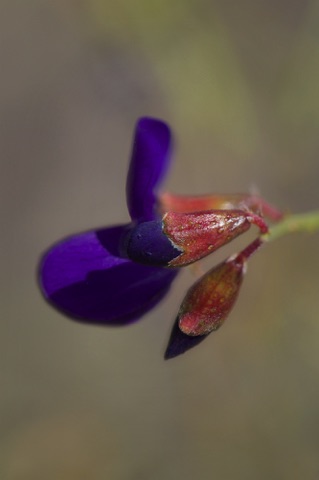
pixel 238 83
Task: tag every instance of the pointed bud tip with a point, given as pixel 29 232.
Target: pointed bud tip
pixel 180 343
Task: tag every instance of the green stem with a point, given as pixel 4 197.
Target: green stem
pixel 301 222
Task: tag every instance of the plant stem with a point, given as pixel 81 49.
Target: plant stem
pixel 301 222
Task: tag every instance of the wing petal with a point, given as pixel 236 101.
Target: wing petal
pixel 84 277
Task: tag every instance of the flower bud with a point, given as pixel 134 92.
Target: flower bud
pixel 210 300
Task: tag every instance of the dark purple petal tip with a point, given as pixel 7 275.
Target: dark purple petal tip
pixel 146 243
pixel 149 163
pixel 179 343
pixel 83 277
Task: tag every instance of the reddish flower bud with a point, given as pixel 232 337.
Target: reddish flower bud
pixel 197 235
pixel 210 300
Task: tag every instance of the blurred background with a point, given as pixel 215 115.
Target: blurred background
pixel 238 83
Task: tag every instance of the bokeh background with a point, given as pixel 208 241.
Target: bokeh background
pixel 238 82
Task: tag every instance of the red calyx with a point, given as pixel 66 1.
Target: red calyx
pixel 199 234
pixel 210 300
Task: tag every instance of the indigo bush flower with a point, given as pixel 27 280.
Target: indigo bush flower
pixel 114 275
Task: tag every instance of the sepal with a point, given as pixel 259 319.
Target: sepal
pixel 239 201
pixel 199 234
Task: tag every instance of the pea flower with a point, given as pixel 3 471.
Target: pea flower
pixel 86 276
pixel 114 275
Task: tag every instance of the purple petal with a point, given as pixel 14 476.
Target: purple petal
pixel 83 277
pixel 149 162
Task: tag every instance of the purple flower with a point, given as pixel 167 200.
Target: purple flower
pixel 87 276
pixel 114 275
